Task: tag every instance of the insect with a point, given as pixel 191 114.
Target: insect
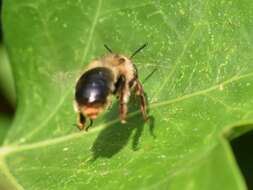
pixel 113 74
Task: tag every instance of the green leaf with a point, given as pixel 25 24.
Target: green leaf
pixel 203 87
pixel 5 121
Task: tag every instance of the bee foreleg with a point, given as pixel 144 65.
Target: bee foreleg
pixel 123 99
pixel 123 112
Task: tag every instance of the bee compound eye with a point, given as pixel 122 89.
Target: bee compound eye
pixel 122 60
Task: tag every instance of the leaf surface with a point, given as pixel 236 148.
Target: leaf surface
pixel 202 88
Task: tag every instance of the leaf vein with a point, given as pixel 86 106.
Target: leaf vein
pixel 19 148
pixel 62 100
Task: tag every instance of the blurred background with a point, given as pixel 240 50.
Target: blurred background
pixel 7 90
pixel 242 146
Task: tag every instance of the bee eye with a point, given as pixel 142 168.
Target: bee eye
pixel 122 60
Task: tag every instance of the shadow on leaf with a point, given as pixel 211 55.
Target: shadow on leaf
pixel 115 137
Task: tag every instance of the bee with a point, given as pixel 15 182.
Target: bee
pixel 112 75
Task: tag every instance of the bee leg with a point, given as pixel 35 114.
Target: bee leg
pixel 90 125
pixel 123 112
pixel 140 92
pixel 81 120
pixel 123 99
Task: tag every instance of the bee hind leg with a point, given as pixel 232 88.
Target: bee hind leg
pixel 90 125
pixel 140 92
pixel 81 120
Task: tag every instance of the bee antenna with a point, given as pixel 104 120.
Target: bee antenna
pixel 149 75
pixel 138 50
pixel 106 47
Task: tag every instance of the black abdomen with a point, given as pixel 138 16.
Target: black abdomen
pixel 94 86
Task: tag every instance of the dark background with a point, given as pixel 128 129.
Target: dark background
pixel 1 21
pixel 243 149
pixel 242 146
pixel 5 106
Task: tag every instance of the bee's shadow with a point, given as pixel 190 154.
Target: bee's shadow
pixel 113 138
